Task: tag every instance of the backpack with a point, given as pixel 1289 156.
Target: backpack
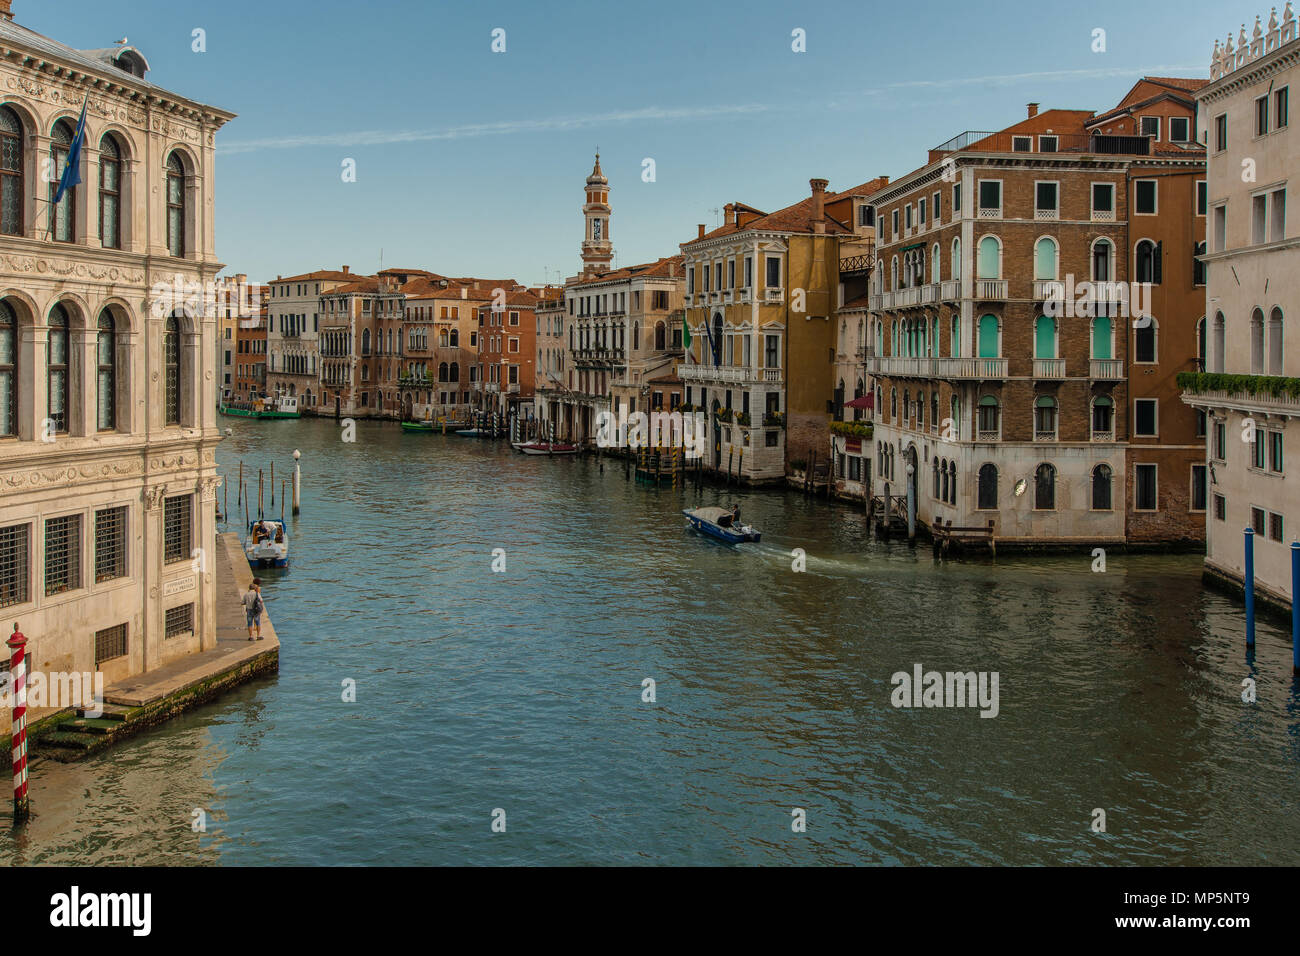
pixel 257 604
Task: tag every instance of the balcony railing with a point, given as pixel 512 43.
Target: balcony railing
pixel 1049 368
pixel 1045 289
pixel 1106 370
pixel 855 264
pixel 950 290
pixel 773 295
pixel 986 142
pixel 988 290
pixel 988 436
pixel 1106 436
pixel 727 373
pixel 929 293
pixel 952 368
pixel 1045 436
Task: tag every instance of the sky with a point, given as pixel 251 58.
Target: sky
pixel 472 162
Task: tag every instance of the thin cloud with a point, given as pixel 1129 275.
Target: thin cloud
pixel 651 114
pixel 1007 79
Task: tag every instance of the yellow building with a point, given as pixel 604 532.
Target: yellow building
pixel 761 294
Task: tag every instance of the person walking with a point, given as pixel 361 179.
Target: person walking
pixel 253 607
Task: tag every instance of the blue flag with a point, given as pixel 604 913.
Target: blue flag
pixel 72 172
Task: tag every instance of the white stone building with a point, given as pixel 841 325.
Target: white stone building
pixel 107 390
pixel 1249 389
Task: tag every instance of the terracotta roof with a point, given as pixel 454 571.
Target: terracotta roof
pixel 796 217
pixel 657 269
pixel 1190 84
pixel 326 274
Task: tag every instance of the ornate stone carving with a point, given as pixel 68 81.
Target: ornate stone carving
pixel 152 497
pixel 65 269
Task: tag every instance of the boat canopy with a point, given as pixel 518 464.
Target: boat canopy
pixel 719 516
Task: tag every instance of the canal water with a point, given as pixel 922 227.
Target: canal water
pixel 520 694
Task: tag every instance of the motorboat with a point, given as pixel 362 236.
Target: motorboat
pixel 546 448
pixel 720 523
pixel 267 544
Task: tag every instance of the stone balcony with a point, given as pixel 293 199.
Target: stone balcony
pixel 729 374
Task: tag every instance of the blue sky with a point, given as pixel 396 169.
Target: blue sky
pixel 472 162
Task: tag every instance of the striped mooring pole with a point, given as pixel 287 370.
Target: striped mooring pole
pixel 1250 587
pixel 18 674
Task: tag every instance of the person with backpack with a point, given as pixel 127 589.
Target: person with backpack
pixel 253 607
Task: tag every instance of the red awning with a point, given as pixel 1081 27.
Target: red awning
pixel 866 401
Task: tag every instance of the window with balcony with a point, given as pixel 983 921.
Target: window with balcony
pixel 1103 201
pixel 1045 258
pixel 989 419
pixel 1102 339
pixel 773 266
pixel 1256 342
pixel 990 198
pixel 1044 337
pixel 989 259
pixel 1047 200
pixel 989 346
pixel 1045 418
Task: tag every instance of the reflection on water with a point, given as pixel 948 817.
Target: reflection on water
pixel 522 690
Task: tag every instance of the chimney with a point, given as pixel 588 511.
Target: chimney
pixel 730 210
pixel 4 9
pixel 672 269
pixel 346 270
pixel 819 204
pixel 701 235
pixel 464 292
pixel 1033 110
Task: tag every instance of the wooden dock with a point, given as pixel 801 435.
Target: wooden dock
pixel 944 536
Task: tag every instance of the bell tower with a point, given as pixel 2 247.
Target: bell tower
pixel 597 250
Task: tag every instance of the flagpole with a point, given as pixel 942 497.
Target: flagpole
pixel 74 152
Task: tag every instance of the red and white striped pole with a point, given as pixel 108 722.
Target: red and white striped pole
pixel 18 675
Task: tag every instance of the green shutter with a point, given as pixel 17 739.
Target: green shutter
pixel 1101 337
pixel 988 336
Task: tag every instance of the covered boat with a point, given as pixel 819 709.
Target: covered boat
pixel 425 426
pixel 267 544
pixel 721 523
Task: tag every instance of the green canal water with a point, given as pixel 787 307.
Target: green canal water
pixel 522 691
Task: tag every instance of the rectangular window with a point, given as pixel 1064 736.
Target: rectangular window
pixel 110 544
pixel 1281 107
pixel 1022 144
pixel 956 198
pixel 1261 116
pixel 1144 416
pixel 1275 526
pixel 1150 126
pixel 773 272
pixel 14 546
pixel 1257 451
pixel 1144 489
pixel 1103 198
pixel 1220 441
pixel 1257 519
pixel 1221 227
pixel 62 554
pixel 178 620
pixel 1275 452
pixel 176 528
pixel 731 277
pixel 1221 132
pixel 1220 508
pixel 772 355
pixel 110 644
pixel 1048 144
pixel 907 215
pixel 1202 197
pixel 1179 129
pixel 1046 200
pixel 990 195
pixel 1198 488
pixel 935 207
pixel 1144 197
pixel 1277 215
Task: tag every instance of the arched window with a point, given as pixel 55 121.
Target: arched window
pixel 893 403
pixel 893 274
pixel 1044 337
pixel 175 206
pixel 453 338
pixel 63 220
pixel 1200 345
pixel 8 370
pixel 365 341
pixel 907 405
pixel 988 487
pixel 453 372
pixel 988 264
pixel 954 337
pixel 1275 342
pixel 935 468
pixel 172 369
pixel 934 410
pixel 660 336
pixel 894 345
pixel 110 193
pixel 934 335
pixel 106 375
pixel 990 428
pixel 1256 342
pixel 1045 418
pixel 1101 337
pixel 1144 340
pixel 1045 487
pixel 1045 258
pixel 717 338
pixel 57 369
pixel 934 263
pixel 1219 344
pixel 1102 254
pixel 1144 261
pixel 952 482
pixel 988 339
pixel 442 371
pixel 1101 488
pixel 956 259
pixel 954 411
pixel 1103 416
pixel 13 148
pixel 920 409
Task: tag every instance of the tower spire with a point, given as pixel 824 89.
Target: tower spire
pixel 597 249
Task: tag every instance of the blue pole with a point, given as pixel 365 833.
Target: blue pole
pixel 1295 607
pixel 1250 587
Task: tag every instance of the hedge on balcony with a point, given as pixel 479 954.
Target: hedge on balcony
pixel 852 429
pixel 1273 385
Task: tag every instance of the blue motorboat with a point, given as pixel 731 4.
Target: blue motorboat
pixel 267 544
pixel 721 524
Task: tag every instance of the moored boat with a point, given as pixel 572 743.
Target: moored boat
pixel 546 448
pixel 469 432
pixel 267 544
pixel 425 426
pixel 721 524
